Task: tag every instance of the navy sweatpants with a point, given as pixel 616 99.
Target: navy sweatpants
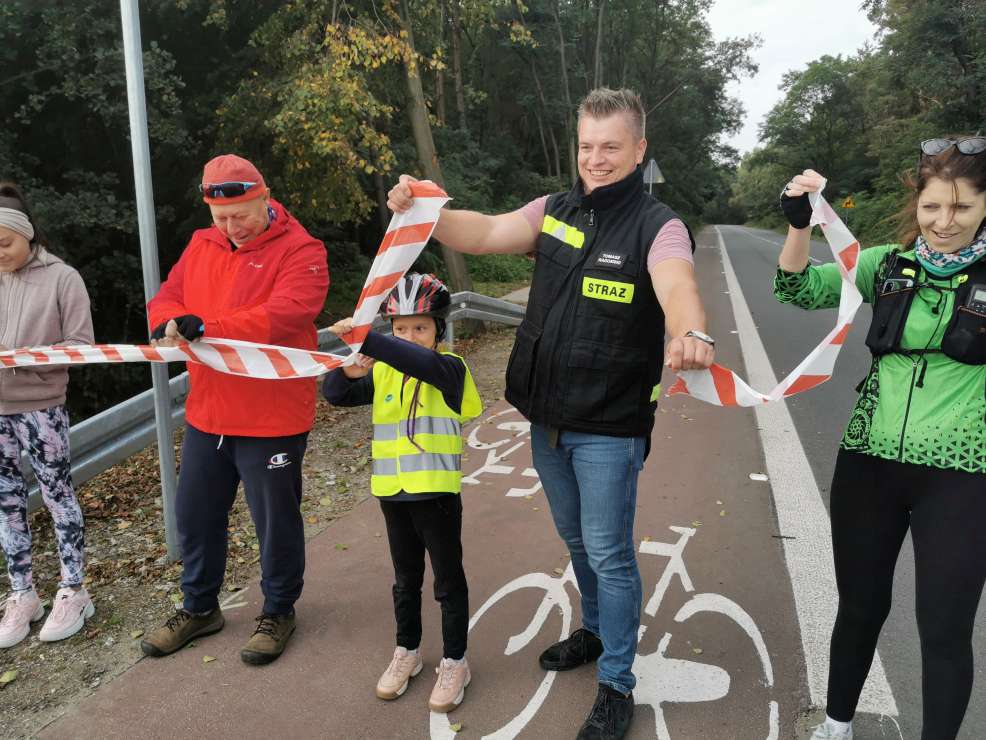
pixel 212 467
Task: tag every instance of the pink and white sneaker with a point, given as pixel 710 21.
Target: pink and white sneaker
pixel 70 611
pixel 450 688
pixel 23 607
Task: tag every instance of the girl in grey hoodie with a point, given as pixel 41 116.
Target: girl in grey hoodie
pixel 43 301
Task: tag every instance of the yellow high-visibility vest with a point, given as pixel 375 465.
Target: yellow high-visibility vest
pixel 398 465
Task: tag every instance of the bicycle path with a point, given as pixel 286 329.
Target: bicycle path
pixel 719 657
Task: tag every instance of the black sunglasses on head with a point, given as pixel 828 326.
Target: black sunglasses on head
pixel 224 189
pixel 970 145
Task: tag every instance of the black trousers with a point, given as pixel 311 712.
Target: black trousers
pixel 212 467
pixel 874 503
pixel 434 525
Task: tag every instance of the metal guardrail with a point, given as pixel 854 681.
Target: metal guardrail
pixel 113 435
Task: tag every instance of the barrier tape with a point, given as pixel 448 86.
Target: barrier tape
pixel 406 236
pixel 720 386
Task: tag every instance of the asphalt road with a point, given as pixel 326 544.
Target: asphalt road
pixel 819 416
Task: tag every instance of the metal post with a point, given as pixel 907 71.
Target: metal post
pixel 449 336
pixel 149 258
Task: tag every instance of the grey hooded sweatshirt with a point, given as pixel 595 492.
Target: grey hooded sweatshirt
pixel 44 302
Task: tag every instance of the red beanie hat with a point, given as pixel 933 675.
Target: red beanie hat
pixel 230 168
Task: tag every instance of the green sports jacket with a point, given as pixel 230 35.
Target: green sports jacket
pixel 926 415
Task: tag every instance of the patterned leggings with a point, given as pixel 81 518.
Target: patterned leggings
pixel 43 435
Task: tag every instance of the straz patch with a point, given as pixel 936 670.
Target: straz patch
pixel 607 290
pixel 609 259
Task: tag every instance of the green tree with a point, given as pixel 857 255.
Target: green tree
pixel 66 142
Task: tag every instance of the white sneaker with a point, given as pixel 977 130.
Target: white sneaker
pixel 23 607
pixel 825 731
pixel 69 612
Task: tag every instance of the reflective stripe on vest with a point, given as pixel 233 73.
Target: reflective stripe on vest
pixel 422 425
pixel 422 462
pixel 563 232
pixel 432 461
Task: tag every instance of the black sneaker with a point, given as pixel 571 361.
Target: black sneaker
pixel 580 648
pixel 610 716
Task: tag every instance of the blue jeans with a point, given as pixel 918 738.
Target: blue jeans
pixel 591 484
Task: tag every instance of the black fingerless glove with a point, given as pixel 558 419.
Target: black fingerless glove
pixel 796 210
pixel 190 326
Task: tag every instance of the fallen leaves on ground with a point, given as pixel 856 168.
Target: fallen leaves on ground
pixel 127 569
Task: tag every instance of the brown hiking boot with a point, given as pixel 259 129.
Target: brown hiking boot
pixel 269 639
pixel 181 628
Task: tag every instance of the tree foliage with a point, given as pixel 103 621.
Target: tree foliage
pixel 859 121
pixel 320 94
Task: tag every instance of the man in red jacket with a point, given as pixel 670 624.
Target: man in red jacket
pixel 255 275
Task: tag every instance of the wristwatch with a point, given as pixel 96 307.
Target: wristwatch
pixel 701 336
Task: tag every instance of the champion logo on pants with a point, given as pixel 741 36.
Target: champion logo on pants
pixel 280 460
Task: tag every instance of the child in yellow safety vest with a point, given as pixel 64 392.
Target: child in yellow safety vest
pixel 420 396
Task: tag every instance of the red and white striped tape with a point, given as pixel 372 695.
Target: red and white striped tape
pixel 721 386
pixel 406 236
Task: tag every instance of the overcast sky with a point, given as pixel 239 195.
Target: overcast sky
pixel 794 33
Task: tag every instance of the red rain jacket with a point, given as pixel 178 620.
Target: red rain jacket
pixel 269 291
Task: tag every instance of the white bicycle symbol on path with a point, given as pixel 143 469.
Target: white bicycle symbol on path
pixel 660 680
pixel 499 450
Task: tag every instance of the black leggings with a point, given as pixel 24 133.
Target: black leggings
pixel 434 525
pixel 874 501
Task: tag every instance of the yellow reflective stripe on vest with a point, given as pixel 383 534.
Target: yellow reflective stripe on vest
pixel 563 232
pixel 607 290
pixel 655 393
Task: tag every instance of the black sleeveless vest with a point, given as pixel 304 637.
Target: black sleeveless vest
pixel 896 283
pixel 589 353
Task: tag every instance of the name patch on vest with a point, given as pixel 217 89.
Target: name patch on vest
pixel 607 290
pixel 609 259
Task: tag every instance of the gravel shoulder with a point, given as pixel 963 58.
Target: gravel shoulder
pixel 133 586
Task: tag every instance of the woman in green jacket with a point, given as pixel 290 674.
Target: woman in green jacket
pixel 914 452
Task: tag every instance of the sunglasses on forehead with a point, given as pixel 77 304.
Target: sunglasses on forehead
pixel 970 145
pixel 225 189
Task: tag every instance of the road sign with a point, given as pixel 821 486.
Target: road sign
pixel 849 202
pixel 652 175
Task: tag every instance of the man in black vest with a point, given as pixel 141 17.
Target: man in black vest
pixel 613 271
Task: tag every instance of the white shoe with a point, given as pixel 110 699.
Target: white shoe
pixel 826 731
pixel 69 612
pixel 23 607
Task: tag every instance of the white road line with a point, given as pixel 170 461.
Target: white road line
pixel 801 514
pixel 775 244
